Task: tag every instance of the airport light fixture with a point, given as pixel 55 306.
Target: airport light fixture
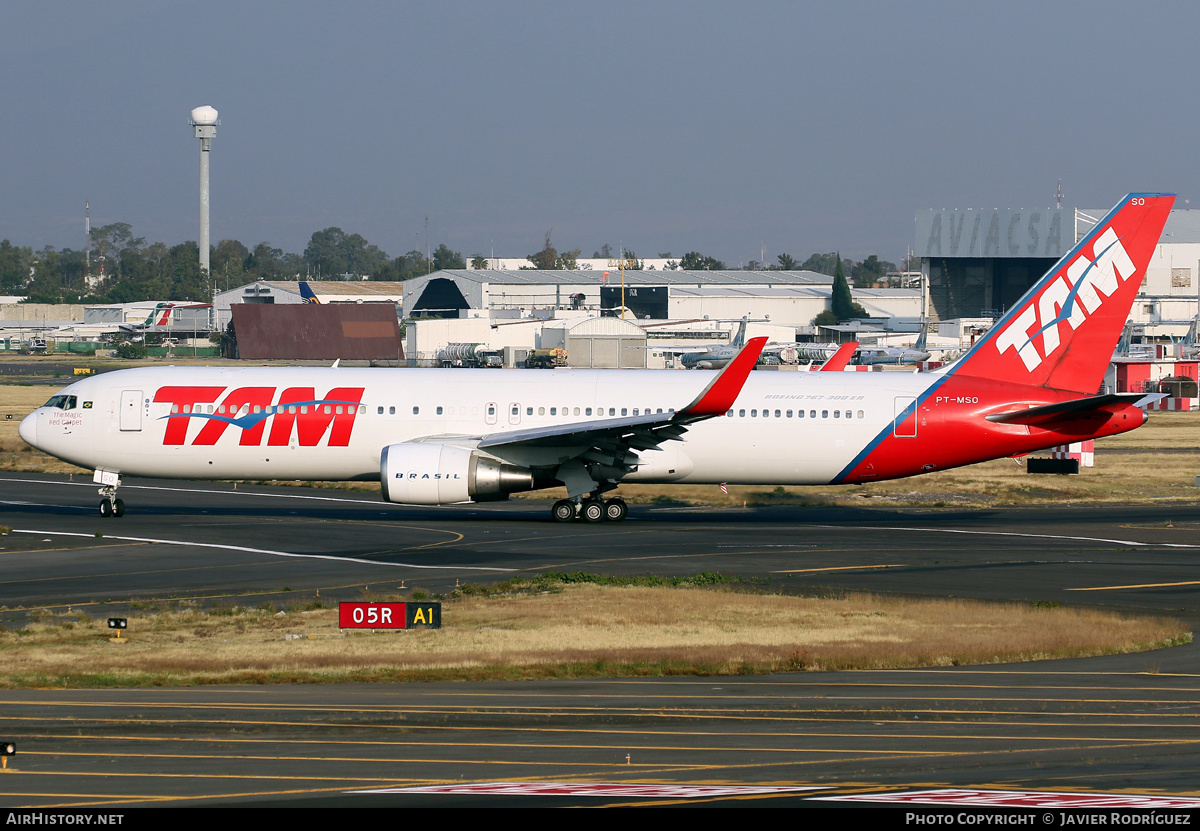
pixel 117 623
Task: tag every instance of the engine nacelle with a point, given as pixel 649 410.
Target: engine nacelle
pixel 419 473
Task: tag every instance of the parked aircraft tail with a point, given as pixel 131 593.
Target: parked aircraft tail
pixel 307 293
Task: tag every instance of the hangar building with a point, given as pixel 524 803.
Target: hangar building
pixel 791 298
pixel 978 263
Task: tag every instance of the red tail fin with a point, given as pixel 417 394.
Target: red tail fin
pixel 840 359
pixel 1061 334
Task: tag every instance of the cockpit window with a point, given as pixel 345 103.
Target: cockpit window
pixel 62 402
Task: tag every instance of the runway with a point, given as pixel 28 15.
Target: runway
pixel 1123 725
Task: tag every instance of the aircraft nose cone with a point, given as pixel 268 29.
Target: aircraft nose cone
pixel 28 429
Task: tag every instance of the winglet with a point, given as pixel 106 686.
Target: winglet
pixel 839 360
pixel 719 396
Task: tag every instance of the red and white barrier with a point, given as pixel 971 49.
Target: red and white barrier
pixel 1084 451
pixel 1182 404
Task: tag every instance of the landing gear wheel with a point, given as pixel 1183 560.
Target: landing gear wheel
pixel 106 508
pixel 593 510
pixel 118 506
pixel 615 509
pixel 563 511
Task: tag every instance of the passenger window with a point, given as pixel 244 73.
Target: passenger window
pixel 741 413
pixel 824 413
pixel 860 413
pixel 554 411
pixel 381 411
pixel 576 411
pixel 612 410
pixel 812 413
pixel 391 410
pixel 529 411
pixel 439 410
pixel 777 414
pixel 729 414
pixel 789 413
pixel 837 413
pixel 416 410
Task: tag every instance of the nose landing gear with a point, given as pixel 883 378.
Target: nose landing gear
pixel 110 505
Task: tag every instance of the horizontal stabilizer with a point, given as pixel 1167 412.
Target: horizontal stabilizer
pixel 1071 410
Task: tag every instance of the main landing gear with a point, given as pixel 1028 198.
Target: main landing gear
pixel 590 509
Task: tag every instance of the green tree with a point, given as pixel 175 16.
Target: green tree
pixel 567 260
pixel 545 259
pixel 870 271
pixel 332 253
pixel 695 261
pixel 841 303
pixel 110 240
pixel 786 262
pixel 16 263
pixel 822 263
pixel 479 261
pixel 444 257
pixel 188 281
pixel 227 264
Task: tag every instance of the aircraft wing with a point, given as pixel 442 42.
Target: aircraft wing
pixel 1071 410
pixel 607 441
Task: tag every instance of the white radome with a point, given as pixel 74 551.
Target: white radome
pixel 204 115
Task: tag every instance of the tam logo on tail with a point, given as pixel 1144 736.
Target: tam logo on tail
pixel 1061 334
pixel 1066 299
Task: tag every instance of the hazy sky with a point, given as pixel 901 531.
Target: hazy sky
pixel 666 126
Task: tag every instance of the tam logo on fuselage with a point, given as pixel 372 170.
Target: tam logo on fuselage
pixel 1070 298
pixel 298 414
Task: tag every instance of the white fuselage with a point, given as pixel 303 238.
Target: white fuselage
pixel 785 427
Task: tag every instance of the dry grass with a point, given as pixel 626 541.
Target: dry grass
pixel 579 630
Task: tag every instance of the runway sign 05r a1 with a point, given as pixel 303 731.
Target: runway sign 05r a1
pixel 390 615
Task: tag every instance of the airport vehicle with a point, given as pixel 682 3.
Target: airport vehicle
pixel 546 358
pixel 438 436
pixel 470 354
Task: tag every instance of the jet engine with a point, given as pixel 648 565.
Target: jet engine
pixel 419 473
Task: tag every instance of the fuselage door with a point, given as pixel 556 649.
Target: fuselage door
pixel 490 411
pixel 131 410
pixel 905 424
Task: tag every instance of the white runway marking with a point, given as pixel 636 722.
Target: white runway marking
pixel 255 550
pixel 1015 534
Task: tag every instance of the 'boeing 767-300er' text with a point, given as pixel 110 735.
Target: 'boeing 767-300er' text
pixel 444 436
